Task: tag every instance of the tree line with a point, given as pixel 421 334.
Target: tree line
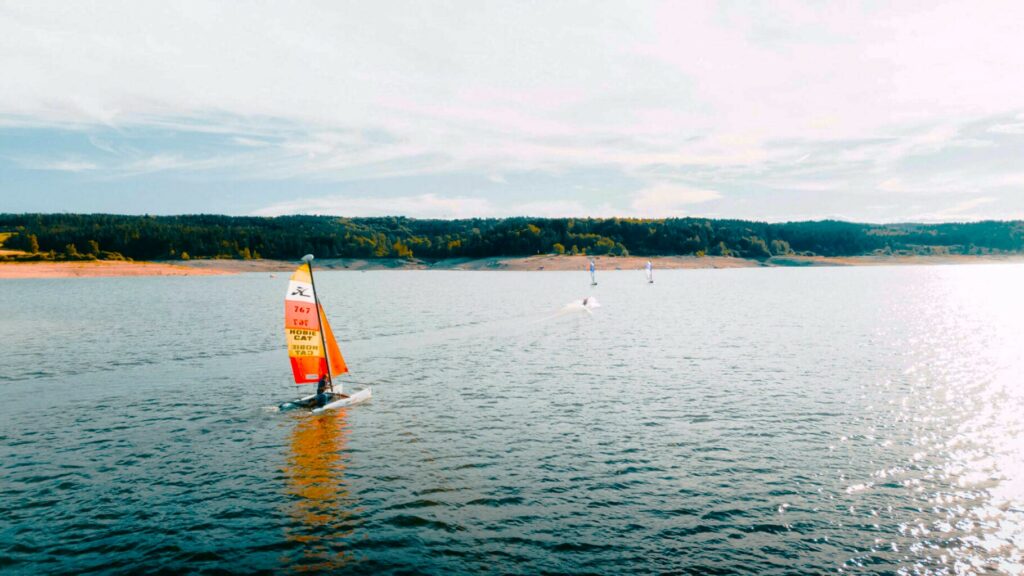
pixel 110 236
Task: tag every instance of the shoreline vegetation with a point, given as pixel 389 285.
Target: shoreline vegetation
pixel 549 263
pixel 61 245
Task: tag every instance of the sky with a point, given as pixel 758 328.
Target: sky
pixel 777 111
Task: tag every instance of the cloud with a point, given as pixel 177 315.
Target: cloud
pixel 564 209
pixel 1015 128
pixel 665 200
pixel 421 206
pixel 794 108
pixel 964 211
pixel 251 142
pixel 434 206
pixel 59 165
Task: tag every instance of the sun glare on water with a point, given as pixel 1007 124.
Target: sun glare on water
pixel 958 412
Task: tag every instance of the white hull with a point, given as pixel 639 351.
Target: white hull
pixel 361 396
pixel 306 402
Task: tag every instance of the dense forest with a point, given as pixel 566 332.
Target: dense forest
pixel 107 236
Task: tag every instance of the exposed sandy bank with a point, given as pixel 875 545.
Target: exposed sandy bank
pixel 549 262
pixel 96 269
pixel 529 263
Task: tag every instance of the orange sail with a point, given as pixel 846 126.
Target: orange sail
pixel 337 362
pixel 304 318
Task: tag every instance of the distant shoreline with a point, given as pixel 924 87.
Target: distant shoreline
pixel 95 269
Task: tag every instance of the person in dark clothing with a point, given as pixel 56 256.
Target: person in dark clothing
pixel 322 396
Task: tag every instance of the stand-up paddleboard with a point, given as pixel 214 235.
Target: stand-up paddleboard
pixel 312 349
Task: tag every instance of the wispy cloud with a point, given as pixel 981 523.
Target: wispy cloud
pixel 421 206
pixel 1015 128
pixel 664 200
pixel 58 165
pixel 964 211
pixel 797 109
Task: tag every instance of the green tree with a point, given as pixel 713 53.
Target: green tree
pixel 781 247
pixel 755 247
pixel 558 248
pixel 33 244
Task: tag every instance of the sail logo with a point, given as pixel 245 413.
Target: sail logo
pixel 300 291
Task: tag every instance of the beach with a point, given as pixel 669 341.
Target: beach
pixel 104 268
pixel 98 269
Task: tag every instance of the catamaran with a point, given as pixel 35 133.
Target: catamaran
pixel 649 269
pixel 314 353
pixel 593 278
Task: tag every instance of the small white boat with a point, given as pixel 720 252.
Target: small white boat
pixel 312 349
pixel 336 400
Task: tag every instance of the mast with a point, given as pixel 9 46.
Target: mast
pixel 323 339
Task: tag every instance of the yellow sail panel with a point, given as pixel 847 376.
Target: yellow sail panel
pixel 303 343
pixel 301 274
pixel 337 362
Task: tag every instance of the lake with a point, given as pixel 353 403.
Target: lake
pixel 760 421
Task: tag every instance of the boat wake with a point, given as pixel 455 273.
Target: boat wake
pixel 588 304
pixel 582 305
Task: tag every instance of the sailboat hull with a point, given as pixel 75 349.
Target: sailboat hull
pixel 361 396
pixel 339 401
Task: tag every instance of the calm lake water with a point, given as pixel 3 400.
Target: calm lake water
pixel 759 421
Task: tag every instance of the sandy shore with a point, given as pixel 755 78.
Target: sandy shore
pixel 563 263
pixel 10 270
pixel 95 269
pixel 546 262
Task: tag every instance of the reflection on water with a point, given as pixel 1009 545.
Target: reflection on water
pixel 761 421
pixel 321 507
pixel 955 417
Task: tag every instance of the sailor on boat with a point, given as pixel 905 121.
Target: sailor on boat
pixel 322 397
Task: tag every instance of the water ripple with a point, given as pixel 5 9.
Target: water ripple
pixel 762 422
